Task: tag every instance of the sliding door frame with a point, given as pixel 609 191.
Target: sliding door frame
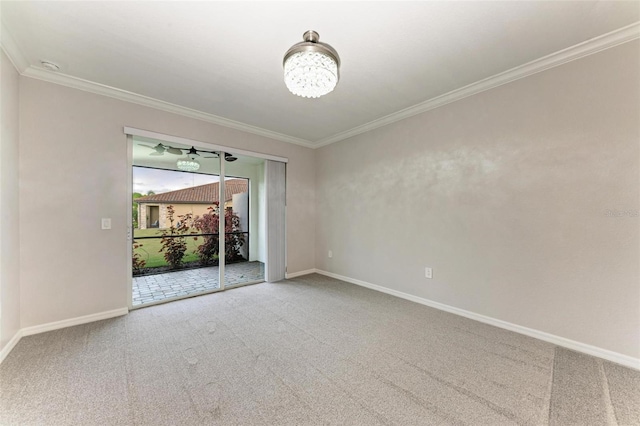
pixel 130 132
pixel 129 267
pixel 222 222
pixel 210 146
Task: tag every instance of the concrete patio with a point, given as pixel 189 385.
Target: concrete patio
pixel 155 288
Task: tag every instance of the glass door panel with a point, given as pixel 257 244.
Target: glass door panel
pixel 175 248
pixel 198 221
pixel 244 216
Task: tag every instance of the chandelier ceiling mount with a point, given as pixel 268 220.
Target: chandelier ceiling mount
pixel 311 68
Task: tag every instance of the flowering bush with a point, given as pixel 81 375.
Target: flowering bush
pixel 173 241
pixel 208 224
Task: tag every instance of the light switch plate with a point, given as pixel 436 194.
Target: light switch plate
pixel 106 223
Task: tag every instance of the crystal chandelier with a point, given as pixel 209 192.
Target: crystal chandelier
pixel 311 68
pixel 188 164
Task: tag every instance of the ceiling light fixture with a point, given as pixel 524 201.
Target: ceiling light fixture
pixel 188 164
pixel 311 68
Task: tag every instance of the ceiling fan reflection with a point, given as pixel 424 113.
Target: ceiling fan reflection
pixel 192 152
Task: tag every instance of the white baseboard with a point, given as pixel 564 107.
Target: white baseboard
pixel 616 357
pixel 300 273
pixel 43 328
pixel 12 343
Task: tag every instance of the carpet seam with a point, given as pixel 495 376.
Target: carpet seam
pixel 610 410
pixel 378 415
pixel 553 373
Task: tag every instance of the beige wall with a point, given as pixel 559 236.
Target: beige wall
pixel 73 152
pixel 505 195
pixel 179 210
pixel 9 213
pixel 182 209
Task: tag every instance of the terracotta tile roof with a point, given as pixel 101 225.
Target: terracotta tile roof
pixel 203 194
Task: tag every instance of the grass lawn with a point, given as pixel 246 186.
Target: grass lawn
pixel 150 250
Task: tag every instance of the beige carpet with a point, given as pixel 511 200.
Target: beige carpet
pixel 312 350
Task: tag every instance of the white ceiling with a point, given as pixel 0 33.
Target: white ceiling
pixel 225 58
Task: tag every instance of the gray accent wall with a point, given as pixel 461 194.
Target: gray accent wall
pixel 523 199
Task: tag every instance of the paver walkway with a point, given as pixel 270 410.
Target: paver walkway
pixel 153 288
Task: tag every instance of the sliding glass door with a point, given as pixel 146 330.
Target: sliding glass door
pixel 244 221
pixel 198 226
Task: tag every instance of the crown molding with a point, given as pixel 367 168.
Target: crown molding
pixel 20 62
pixel 123 95
pixel 589 47
pixel 8 44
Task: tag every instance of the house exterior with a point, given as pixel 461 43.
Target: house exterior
pixel 152 209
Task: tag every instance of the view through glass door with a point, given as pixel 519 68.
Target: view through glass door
pixel 177 215
pixel 244 250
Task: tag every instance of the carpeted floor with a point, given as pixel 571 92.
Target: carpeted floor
pixel 312 350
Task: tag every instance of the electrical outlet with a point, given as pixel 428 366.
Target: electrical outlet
pixel 330 254
pixel 428 272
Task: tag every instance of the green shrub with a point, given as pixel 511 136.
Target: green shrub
pixel 173 241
